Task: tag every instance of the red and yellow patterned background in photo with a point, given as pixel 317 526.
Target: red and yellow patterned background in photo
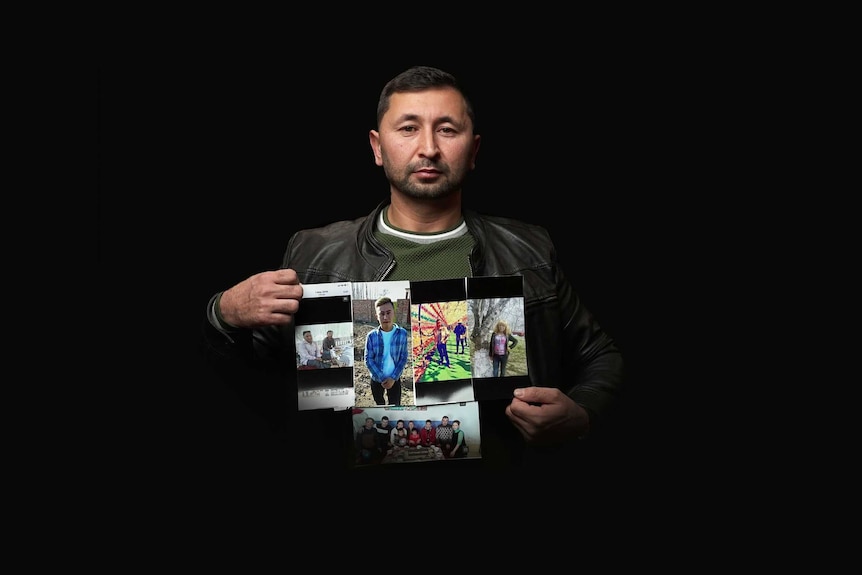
pixel 423 320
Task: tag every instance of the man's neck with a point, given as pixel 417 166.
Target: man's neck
pixel 424 216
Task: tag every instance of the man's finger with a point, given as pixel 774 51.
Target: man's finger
pixel 286 276
pixel 536 394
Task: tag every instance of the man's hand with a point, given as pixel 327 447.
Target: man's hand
pixel 546 415
pixel 388 383
pixel 267 298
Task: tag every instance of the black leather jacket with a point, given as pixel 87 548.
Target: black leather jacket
pixel 570 352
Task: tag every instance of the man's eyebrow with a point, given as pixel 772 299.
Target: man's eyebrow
pixel 406 118
pixel 416 118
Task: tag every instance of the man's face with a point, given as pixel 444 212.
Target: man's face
pixel 425 143
pixel 307 337
pixel 385 316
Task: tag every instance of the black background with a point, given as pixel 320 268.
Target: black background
pixel 205 170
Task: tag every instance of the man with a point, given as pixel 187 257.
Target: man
pixel 368 443
pixel 309 353
pixel 460 337
pixel 443 433
pixel 426 142
pixel 386 354
pixel 383 434
pixel 327 352
pixel 441 334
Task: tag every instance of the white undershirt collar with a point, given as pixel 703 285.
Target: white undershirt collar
pixel 455 232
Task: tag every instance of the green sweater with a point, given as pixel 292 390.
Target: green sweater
pixel 422 257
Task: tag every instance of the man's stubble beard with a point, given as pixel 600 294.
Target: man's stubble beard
pixel 442 189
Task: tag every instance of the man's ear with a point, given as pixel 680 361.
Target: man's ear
pixel 374 140
pixel 477 139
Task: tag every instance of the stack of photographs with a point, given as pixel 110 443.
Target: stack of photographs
pixel 446 345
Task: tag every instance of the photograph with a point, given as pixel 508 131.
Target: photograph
pixel 381 327
pixel 323 339
pixel 417 434
pixel 498 354
pixel 428 150
pixel 441 369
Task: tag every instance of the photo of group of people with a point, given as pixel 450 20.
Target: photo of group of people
pixel 410 435
pixel 402 344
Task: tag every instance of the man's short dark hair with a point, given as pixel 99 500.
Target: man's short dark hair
pixel 383 301
pixel 417 79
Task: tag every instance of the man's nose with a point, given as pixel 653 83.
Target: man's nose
pixel 428 144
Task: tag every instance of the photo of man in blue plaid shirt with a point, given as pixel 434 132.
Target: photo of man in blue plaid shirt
pixel 386 354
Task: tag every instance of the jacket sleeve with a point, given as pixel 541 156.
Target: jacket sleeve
pixel 259 365
pixel 593 360
pixel 513 341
